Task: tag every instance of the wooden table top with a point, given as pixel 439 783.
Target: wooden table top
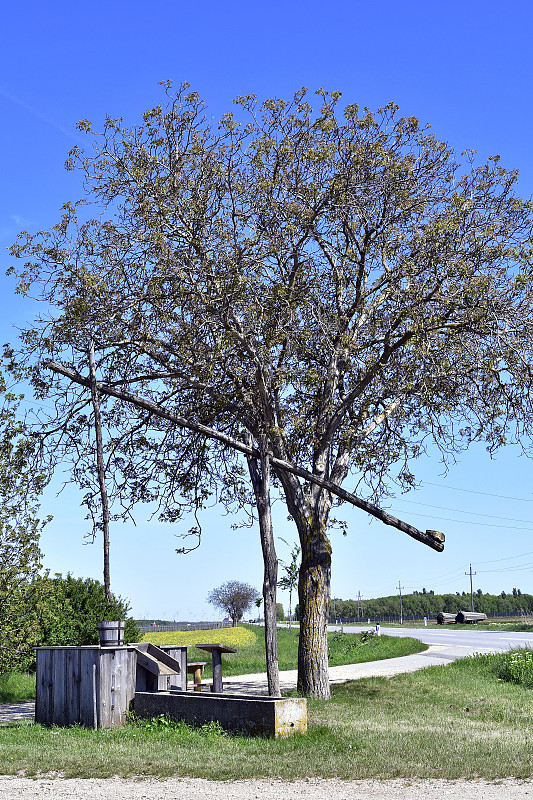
pixel 222 648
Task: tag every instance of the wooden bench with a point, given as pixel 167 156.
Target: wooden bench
pixel 196 669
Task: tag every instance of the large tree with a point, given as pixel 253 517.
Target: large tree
pixel 326 292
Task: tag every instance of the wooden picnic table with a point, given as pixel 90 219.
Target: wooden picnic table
pixel 216 651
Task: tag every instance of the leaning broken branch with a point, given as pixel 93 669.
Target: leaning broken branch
pixel 433 539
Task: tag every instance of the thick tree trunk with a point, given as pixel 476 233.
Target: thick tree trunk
pixel 314 597
pixel 311 514
pixel 261 485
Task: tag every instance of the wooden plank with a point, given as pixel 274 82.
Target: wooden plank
pixel 106 658
pixel 43 696
pixel 164 655
pixel 123 661
pixel 165 658
pixel 73 684
pixel 222 648
pixel 154 665
pixel 127 683
pixel 60 712
pixel 179 653
pixel 88 659
pixel 217 670
pixel 113 696
pixel 143 679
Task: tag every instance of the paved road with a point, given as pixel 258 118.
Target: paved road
pixel 446 636
pixel 445 645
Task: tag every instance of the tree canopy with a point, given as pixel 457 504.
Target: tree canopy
pixel 330 290
pixel 234 598
pixel 430 604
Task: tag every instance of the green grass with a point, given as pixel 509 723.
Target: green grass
pixel 452 721
pixel 345 648
pixel 16 687
pixel 351 648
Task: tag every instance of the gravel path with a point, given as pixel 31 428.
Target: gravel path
pixel 434 655
pixel 313 789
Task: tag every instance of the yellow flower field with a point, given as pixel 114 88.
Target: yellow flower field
pixel 233 637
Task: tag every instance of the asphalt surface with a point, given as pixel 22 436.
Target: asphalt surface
pixel 447 635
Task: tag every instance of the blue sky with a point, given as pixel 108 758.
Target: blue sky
pixel 463 67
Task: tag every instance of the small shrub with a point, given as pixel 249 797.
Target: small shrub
pixel 516 667
pixel 164 724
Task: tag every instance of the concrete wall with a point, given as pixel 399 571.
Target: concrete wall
pixel 248 714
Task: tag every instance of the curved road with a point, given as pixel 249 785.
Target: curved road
pixel 465 642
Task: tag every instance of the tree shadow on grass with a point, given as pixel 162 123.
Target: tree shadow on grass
pixel 343 692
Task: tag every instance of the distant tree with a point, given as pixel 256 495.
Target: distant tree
pixel 289 581
pixel 234 598
pixel 280 614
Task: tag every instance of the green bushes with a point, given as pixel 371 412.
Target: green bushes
pixel 63 611
pixel 72 608
pixel 516 667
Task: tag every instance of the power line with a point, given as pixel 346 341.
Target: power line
pixel 474 491
pixel 449 577
pixel 507 558
pixel 469 522
pixel 518 568
pixel 464 511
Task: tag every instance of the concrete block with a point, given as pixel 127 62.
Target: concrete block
pixel 247 714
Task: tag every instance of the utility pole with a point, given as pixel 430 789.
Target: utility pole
pixel 471 587
pixel 359 605
pixel 400 587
